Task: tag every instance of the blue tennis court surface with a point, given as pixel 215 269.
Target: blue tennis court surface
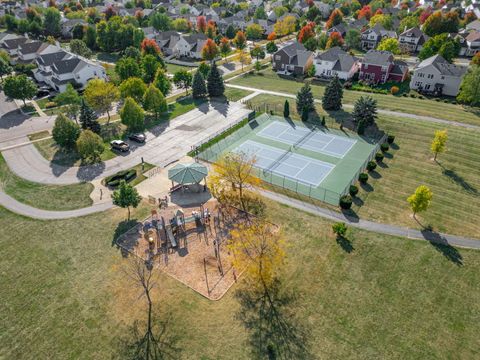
pixel 294 166
pixel 304 138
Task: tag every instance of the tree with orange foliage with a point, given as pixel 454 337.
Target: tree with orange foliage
pixel 310 3
pixel 335 39
pixel 476 59
pixel 425 14
pixel 336 17
pixel 379 12
pixel 109 12
pixel 150 46
pixel 306 32
pixel 211 31
pixel 201 24
pixel 240 40
pixel 272 36
pixel 209 50
pixel 365 12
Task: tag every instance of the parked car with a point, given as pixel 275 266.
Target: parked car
pixel 140 138
pixel 119 145
pixel 42 92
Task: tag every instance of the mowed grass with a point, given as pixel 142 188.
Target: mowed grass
pixel 48 197
pixel 454 180
pixel 65 294
pixel 236 94
pixel 268 80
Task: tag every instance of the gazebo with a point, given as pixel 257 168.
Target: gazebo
pixel 187 174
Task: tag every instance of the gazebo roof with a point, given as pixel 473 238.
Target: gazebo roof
pixel 188 173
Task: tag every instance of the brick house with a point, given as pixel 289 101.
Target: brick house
pixel 378 67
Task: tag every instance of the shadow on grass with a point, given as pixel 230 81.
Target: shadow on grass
pixel 388 155
pixel 269 316
pixel 383 165
pixel 366 187
pixel 441 245
pixel 345 244
pixel 458 179
pixel 357 201
pixel 350 215
pixel 128 241
pixel 394 146
pixel 374 174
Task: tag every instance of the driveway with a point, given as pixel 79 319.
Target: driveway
pixel 165 144
pixel 6 105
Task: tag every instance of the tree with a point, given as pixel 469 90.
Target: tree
pixel 133 87
pixel 52 21
pixel 210 50
pixel 71 100
pixel 335 39
pixel 5 68
pixel 336 17
pixel 204 69
pixel 442 44
pixel 271 47
pixel 286 109
pixel 339 229
pixel 437 23
pixel 439 143
pixel 232 172
pixel 65 132
pixel 199 89
pixel 384 20
pixel 150 66
pixel 285 26
pixel 257 52
pixel 89 146
pixel 306 33
pixel 408 22
pixel 420 200
pixel 100 95
pixel 365 12
pixel 244 58
pixel 470 88
pixel 88 118
pixel 254 32
pixel 211 31
pixel 90 37
pixel 475 59
pixel 305 102
pixel 154 101
pixel 230 32
pixel 201 24
pixel 127 67
pixel 352 39
pixel 132 115
pixel 215 86
pixel 19 87
pixel 125 196
pixel 181 25
pixel 364 113
pixel 389 44
pixel 225 47
pixel 132 52
pixel 150 46
pixel 260 13
pixel 332 97
pixel 240 41
pixel 183 79
pixel 161 22
pixel 80 48
pixel 162 82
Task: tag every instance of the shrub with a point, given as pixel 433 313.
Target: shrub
pixel 437 99
pixel 115 179
pixel 113 183
pixel 346 202
pixel 50 104
pixel 371 165
pixel 454 102
pixel 379 157
pixel 421 97
pixel 413 95
pixel 384 147
pixel 404 95
pixel 353 190
pixel 340 229
pixel 394 90
pixel 363 178
pixel 391 139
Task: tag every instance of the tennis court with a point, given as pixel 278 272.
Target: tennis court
pixel 294 166
pixel 309 139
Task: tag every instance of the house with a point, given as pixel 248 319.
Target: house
pixel 412 40
pixel 325 9
pixel 179 45
pixel 474 25
pixel 370 38
pixel 44 65
pixel 68 25
pixel 335 61
pixel 292 59
pixel 380 67
pixel 11 44
pixel 469 43
pixel 435 75
pixel 340 28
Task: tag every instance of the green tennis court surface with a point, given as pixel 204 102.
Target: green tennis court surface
pixel 313 161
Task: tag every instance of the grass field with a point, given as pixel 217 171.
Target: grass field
pixel 268 80
pixel 236 94
pixel 173 68
pixel 48 197
pixel 455 180
pixel 65 294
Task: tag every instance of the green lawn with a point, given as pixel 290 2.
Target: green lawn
pixel 65 294
pixel 173 68
pixel 455 180
pixel 49 197
pixel 39 135
pixel 236 94
pixel 268 80
pixel 53 153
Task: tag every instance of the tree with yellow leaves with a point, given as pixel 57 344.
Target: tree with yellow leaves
pixel 244 58
pixel 439 142
pixel 420 200
pixel 285 26
pixel 231 172
pixel 259 248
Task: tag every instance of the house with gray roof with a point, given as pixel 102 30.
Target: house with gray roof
pixel 412 40
pixel 44 65
pixel 378 67
pixel 336 61
pixel 370 38
pixel 31 49
pixel 437 76
pixel 293 59
pixel 180 45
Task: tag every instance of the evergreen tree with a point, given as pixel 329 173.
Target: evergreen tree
pixel 286 109
pixel 88 118
pixel 230 32
pixel 199 89
pixel 305 101
pixel 215 87
pixel 364 113
pixel 332 98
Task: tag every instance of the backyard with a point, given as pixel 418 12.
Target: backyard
pixel 65 294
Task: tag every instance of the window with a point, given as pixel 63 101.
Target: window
pixel 418 83
pixel 430 76
pixel 427 87
pixel 278 57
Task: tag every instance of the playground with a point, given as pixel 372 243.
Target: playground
pixel 309 159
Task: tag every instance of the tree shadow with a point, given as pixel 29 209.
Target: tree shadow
pixel 375 174
pixel 366 187
pixel 382 165
pixel 90 172
pixel 274 330
pixel 221 105
pixel 388 155
pixel 350 215
pixel 458 179
pixel 345 244
pixel 357 201
pixel 394 146
pixel 130 229
pixel 441 244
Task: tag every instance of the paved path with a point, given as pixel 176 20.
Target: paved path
pixel 394 230
pixel 37 108
pixel 165 144
pixel 350 106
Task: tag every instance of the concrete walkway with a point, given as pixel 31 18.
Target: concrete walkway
pixel 39 111
pixel 350 106
pixel 439 238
